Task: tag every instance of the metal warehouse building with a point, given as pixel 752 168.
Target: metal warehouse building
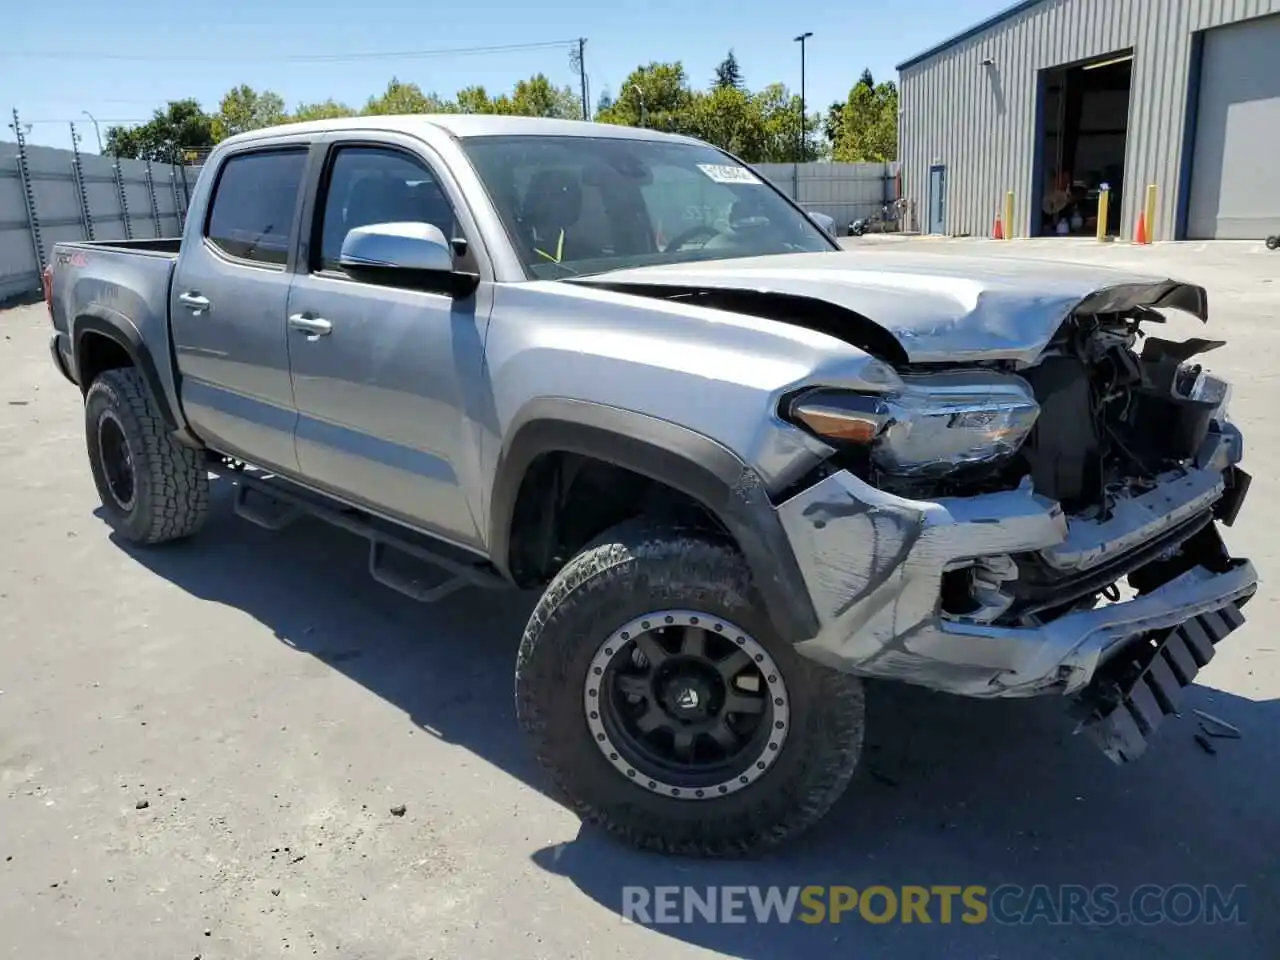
pixel 1053 98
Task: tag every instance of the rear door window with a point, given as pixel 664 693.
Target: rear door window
pixel 254 202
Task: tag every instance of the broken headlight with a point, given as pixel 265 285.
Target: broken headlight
pixel 934 425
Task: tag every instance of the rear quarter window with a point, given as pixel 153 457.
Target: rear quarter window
pixel 254 202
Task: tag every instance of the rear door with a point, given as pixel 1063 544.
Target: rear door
pixel 228 306
pixel 383 392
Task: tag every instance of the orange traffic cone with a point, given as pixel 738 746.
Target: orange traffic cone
pixel 997 231
pixel 1140 231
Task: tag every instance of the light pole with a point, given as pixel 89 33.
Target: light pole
pixel 644 110
pixel 96 131
pixel 803 119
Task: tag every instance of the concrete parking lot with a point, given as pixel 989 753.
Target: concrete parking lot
pixel 200 745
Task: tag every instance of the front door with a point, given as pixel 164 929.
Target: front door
pixel 380 372
pixel 228 309
pixel 937 199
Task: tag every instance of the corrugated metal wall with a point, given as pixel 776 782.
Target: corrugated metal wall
pixel 152 207
pixel 980 121
pixel 843 191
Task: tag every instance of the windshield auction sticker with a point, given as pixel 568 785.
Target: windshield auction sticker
pixel 727 173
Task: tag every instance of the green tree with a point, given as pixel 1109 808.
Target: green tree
pixel 868 130
pixel 658 94
pixel 831 122
pixel 728 73
pixel 780 113
pixel 244 108
pixel 538 97
pixel 172 135
pixel 760 127
pixel 326 110
pixel 474 100
pixel 404 98
pixel 730 118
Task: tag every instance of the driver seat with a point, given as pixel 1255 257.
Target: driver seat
pixel 552 204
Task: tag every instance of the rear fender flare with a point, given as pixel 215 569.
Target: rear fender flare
pixel 684 460
pixel 97 320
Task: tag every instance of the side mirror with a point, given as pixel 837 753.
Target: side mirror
pixel 823 221
pixel 402 246
pixel 404 254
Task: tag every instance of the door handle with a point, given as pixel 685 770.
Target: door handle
pixel 312 326
pixel 194 301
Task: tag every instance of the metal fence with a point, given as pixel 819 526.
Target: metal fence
pixel 48 195
pixel 843 191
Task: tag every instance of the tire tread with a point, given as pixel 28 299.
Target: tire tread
pixel 172 484
pixel 713 572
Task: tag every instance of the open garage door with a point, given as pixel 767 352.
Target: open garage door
pixel 1235 174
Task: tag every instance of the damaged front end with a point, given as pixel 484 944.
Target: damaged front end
pixel 1012 529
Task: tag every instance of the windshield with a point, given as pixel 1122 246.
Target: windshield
pixel 579 205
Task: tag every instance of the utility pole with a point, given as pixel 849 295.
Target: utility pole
pixel 800 154
pixel 582 75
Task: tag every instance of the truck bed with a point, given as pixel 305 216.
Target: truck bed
pixel 94 281
pixel 156 247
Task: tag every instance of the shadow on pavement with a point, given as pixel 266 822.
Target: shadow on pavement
pixel 962 792
pixel 951 791
pixel 449 665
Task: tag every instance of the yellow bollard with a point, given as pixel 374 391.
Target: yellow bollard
pixel 1151 212
pixel 1104 208
pixel 1008 215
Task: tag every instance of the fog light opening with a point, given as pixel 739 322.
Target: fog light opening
pixel 973 590
pixel 957 593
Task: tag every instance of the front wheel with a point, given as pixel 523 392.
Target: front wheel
pixel 668 710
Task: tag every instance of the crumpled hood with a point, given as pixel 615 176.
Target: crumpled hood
pixel 938 307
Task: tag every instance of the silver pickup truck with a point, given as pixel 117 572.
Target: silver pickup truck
pixel 748 469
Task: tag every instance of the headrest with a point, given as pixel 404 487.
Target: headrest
pixel 377 200
pixel 553 197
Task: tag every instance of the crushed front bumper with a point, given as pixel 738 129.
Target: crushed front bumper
pixel 873 564
pixel 1131 694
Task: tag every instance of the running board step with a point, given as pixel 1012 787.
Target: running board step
pixel 270 513
pixel 280 507
pixel 406 583
pixel 1130 696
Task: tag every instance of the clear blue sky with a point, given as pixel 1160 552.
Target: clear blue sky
pixel 176 50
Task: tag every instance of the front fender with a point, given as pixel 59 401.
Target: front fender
pixel 676 456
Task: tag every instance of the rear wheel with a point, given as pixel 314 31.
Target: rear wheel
pixel 152 487
pixel 667 709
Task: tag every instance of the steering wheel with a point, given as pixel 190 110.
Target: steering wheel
pixel 680 239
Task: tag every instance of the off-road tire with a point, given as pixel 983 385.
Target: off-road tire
pixel 171 484
pixel 635 569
